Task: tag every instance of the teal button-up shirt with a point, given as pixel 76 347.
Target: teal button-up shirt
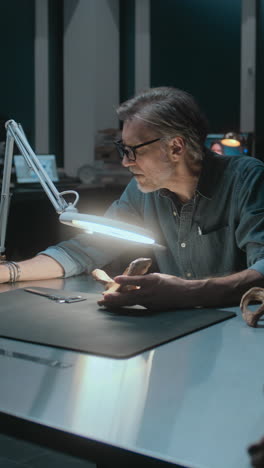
pixel 219 232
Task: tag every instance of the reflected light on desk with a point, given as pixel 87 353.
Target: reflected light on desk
pixel 110 390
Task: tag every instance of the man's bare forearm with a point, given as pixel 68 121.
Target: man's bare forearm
pixel 225 290
pixel 37 268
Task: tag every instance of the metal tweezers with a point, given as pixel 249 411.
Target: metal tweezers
pixel 54 297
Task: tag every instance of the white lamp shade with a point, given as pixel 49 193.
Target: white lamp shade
pixel 108 227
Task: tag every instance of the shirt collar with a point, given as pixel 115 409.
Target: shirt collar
pixel 212 167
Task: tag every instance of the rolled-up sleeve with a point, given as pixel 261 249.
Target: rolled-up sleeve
pixel 86 252
pixel 250 231
pixel 258 266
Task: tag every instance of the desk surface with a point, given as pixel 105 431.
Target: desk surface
pixel 197 401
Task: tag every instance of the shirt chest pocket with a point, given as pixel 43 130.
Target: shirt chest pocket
pixel 215 237
pixel 214 252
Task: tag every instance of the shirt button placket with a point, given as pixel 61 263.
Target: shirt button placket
pixel 184 235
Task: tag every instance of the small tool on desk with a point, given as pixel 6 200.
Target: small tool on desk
pixel 54 297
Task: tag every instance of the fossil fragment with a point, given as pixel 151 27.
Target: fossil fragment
pixel 252 295
pixel 140 266
pixel 103 278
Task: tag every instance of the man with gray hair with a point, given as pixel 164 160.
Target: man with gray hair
pixel 206 209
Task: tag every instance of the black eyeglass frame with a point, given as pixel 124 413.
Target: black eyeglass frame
pixel 123 152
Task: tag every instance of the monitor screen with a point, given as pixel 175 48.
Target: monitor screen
pixel 243 149
pixel 25 174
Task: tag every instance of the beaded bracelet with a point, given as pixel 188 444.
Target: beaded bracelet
pixel 14 271
pixel 18 271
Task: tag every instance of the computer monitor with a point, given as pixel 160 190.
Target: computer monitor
pixel 25 175
pixel 245 147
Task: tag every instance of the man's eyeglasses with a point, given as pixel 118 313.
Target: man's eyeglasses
pixel 130 151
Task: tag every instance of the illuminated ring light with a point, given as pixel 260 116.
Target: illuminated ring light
pixel 106 226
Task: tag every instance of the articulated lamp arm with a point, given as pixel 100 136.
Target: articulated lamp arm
pixel 15 134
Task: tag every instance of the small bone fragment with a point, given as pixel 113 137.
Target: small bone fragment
pixel 103 278
pixel 139 266
pixel 253 294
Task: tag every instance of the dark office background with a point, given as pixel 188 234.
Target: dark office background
pixel 17 62
pixel 194 46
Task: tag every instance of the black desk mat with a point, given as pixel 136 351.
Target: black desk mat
pixel 86 327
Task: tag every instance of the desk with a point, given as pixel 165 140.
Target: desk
pixel 196 402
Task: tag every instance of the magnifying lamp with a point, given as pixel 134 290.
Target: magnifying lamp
pixel 68 213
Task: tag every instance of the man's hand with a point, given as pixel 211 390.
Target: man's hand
pixel 162 292
pixel 157 291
